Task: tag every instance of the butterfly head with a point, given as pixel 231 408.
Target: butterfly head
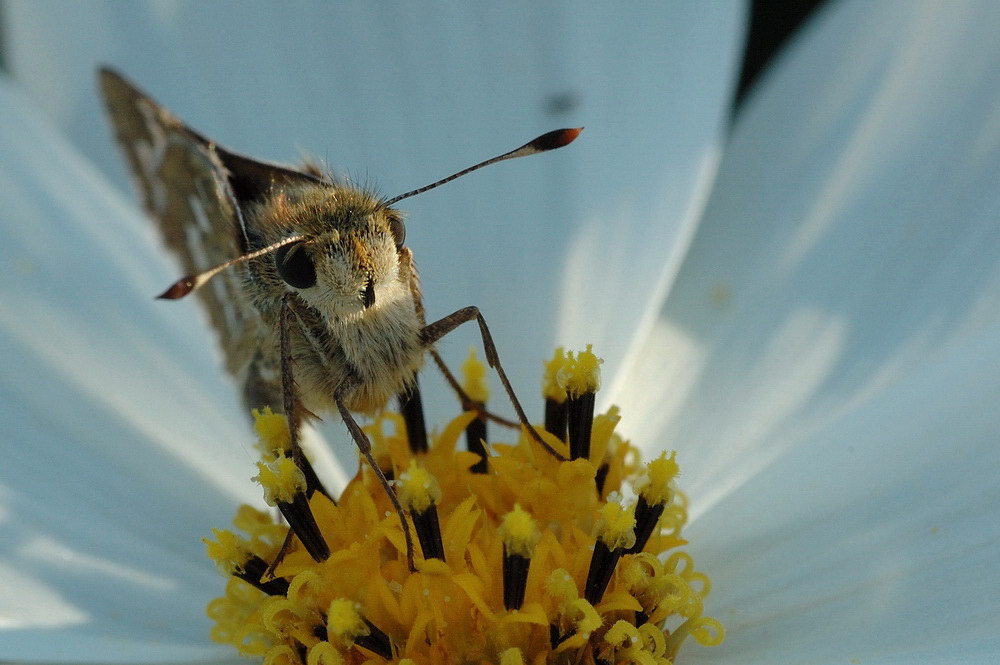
pixel 347 259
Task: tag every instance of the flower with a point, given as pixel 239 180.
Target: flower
pixel 824 364
pixel 526 553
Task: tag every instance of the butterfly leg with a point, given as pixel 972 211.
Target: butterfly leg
pixel 409 272
pixel 467 402
pixel 435 331
pixel 360 438
pixel 365 446
pixel 289 403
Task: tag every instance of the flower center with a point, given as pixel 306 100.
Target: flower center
pixel 525 558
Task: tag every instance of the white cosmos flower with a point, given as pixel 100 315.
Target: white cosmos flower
pixel 827 362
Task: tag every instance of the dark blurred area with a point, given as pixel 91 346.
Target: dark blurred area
pixel 772 24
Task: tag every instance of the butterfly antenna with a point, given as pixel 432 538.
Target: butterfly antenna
pixel 186 285
pixel 550 141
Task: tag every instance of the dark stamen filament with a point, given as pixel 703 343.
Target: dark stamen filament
pixel 515 579
pixel 375 641
pixel 429 532
pixel 253 570
pixel 646 519
pixel 602 565
pixel 555 417
pixel 300 518
pixel 412 409
pixel 601 477
pixel 580 418
pixel 475 435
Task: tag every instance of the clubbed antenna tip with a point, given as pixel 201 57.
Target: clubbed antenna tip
pixel 548 141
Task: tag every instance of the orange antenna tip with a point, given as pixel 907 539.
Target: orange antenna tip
pixel 178 289
pixel 556 139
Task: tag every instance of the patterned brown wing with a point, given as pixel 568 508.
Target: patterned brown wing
pixel 186 189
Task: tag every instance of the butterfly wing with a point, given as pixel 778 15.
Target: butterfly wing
pixel 195 190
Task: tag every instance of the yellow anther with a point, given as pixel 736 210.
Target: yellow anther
pixel 272 431
pixel 580 374
pixel 550 383
pixel 474 378
pixel 616 527
pixel 417 488
pixel 281 479
pixel 654 484
pixel 228 551
pixel 519 532
pixel 344 621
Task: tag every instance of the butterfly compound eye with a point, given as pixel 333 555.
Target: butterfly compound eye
pixel 295 266
pixel 397 229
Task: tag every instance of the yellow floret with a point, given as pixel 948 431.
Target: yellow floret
pixel 325 653
pixel 281 480
pixel 418 489
pixel 616 528
pixel 474 378
pixel 519 532
pixel 581 374
pixel 561 586
pixel 281 655
pixel 622 634
pixel 654 485
pixel 589 620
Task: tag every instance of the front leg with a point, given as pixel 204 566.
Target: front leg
pixel 435 331
pixel 408 271
pixel 365 446
pixel 467 402
pixel 289 403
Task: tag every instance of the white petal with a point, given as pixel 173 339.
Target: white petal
pixel 875 538
pixel 546 248
pixel 122 445
pixel 827 363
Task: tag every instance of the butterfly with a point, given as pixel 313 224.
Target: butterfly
pixel 306 280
